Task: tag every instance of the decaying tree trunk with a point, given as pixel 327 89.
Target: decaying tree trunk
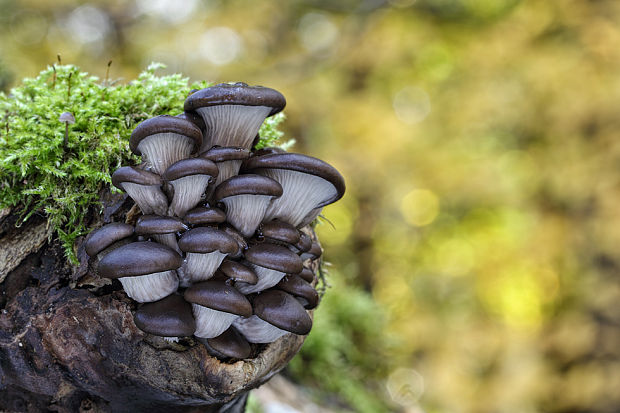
pixel 68 342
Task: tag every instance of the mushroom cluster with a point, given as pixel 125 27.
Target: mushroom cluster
pixel 219 249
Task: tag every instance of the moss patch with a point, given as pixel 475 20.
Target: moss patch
pixel 41 174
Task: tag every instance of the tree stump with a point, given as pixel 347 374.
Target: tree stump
pixel 68 342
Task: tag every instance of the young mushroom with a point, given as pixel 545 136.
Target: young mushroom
pixel 189 178
pixel 270 262
pixel 278 232
pixel 233 113
pixel 313 253
pixel 162 229
pixel 229 344
pixel 227 159
pixel 237 272
pixel 164 140
pixel 246 198
pixel 205 248
pixel 104 237
pixel 171 318
pixel 300 289
pixel 276 313
pixel 308 184
pixel 204 216
pixel 143 187
pixel 216 305
pixel 145 269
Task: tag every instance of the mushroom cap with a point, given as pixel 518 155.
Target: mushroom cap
pixel 238 237
pixel 279 231
pixel 314 252
pixel 283 311
pixel 168 317
pixel 103 237
pixel 230 344
pixel 236 94
pixel 139 258
pixel 157 224
pixel 225 153
pixel 275 257
pixel 134 175
pixel 164 124
pixel 297 286
pixel 190 166
pixel 67 117
pixel 307 274
pixel 300 163
pixel 268 150
pixel 305 242
pixel 193 117
pixel 204 215
pixel 249 184
pixel 220 296
pixel 207 239
pixel 238 272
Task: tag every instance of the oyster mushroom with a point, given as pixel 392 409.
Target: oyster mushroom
pixel 164 140
pixel 246 198
pixel 205 249
pixel 227 159
pixel 171 317
pixel 229 344
pixel 162 229
pixel 308 184
pixel 104 237
pixel 216 305
pixel 143 187
pixel 270 262
pixel 233 113
pixel 189 178
pixel 236 271
pixel 145 269
pixel 204 216
pixel 300 289
pixel 278 232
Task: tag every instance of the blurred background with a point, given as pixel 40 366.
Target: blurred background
pixel 474 259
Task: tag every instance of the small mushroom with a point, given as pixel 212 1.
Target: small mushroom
pixel 205 249
pixel 304 244
pixel 270 262
pixel 276 313
pixel 216 305
pixel 227 159
pixel 169 317
pixel 102 238
pixel 278 232
pixel 236 271
pixel 164 140
pixel 143 187
pixel 246 198
pixel 204 216
pixel 300 289
pixel 308 184
pixel 162 229
pixel 189 178
pixel 68 119
pixel 229 344
pixel 145 269
pixel 236 235
pixel 313 253
pixel 307 275
pixel 233 113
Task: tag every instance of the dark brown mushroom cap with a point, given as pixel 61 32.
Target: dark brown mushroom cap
pixel 249 184
pixel 238 272
pixel 139 258
pixel 225 153
pixel 204 215
pixel 164 124
pixel 268 150
pixel 297 286
pixel 195 118
pixel 190 166
pixel 275 257
pixel 220 296
pixel 283 311
pixel 305 242
pixel 103 237
pixel 279 231
pixel 300 163
pixel 207 239
pixel 307 274
pixel 314 252
pixel 134 175
pixel 230 344
pixel 236 94
pixel 168 317
pixel 238 237
pixel 157 224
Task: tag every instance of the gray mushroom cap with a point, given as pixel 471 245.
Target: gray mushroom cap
pixel 236 94
pixel 275 257
pixel 138 258
pixel 168 317
pixel 218 295
pixel 103 237
pixel 204 216
pixel 157 224
pixel 283 311
pixel 238 272
pixel 207 239
pixel 164 124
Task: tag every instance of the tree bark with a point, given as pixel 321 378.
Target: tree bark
pixel 68 342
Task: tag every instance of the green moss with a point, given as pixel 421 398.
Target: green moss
pixel 40 174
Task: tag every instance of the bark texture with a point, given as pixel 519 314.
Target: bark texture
pixel 68 341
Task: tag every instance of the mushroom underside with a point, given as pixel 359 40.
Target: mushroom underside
pixel 149 198
pixel 201 267
pixel 211 323
pixel 188 192
pixel 233 125
pixel 256 330
pixel 302 193
pixel 161 150
pixel 150 287
pixel 267 278
pixel 169 240
pixel 227 170
pixel 245 212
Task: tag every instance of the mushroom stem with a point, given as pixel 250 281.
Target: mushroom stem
pixel 187 193
pixel 150 287
pixel 169 240
pixel 149 198
pixel 161 150
pixel 266 278
pixel 245 212
pixel 201 267
pixel 211 323
pixel 227 170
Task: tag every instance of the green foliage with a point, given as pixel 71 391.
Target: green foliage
pixel 345 352
pixel 39 173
